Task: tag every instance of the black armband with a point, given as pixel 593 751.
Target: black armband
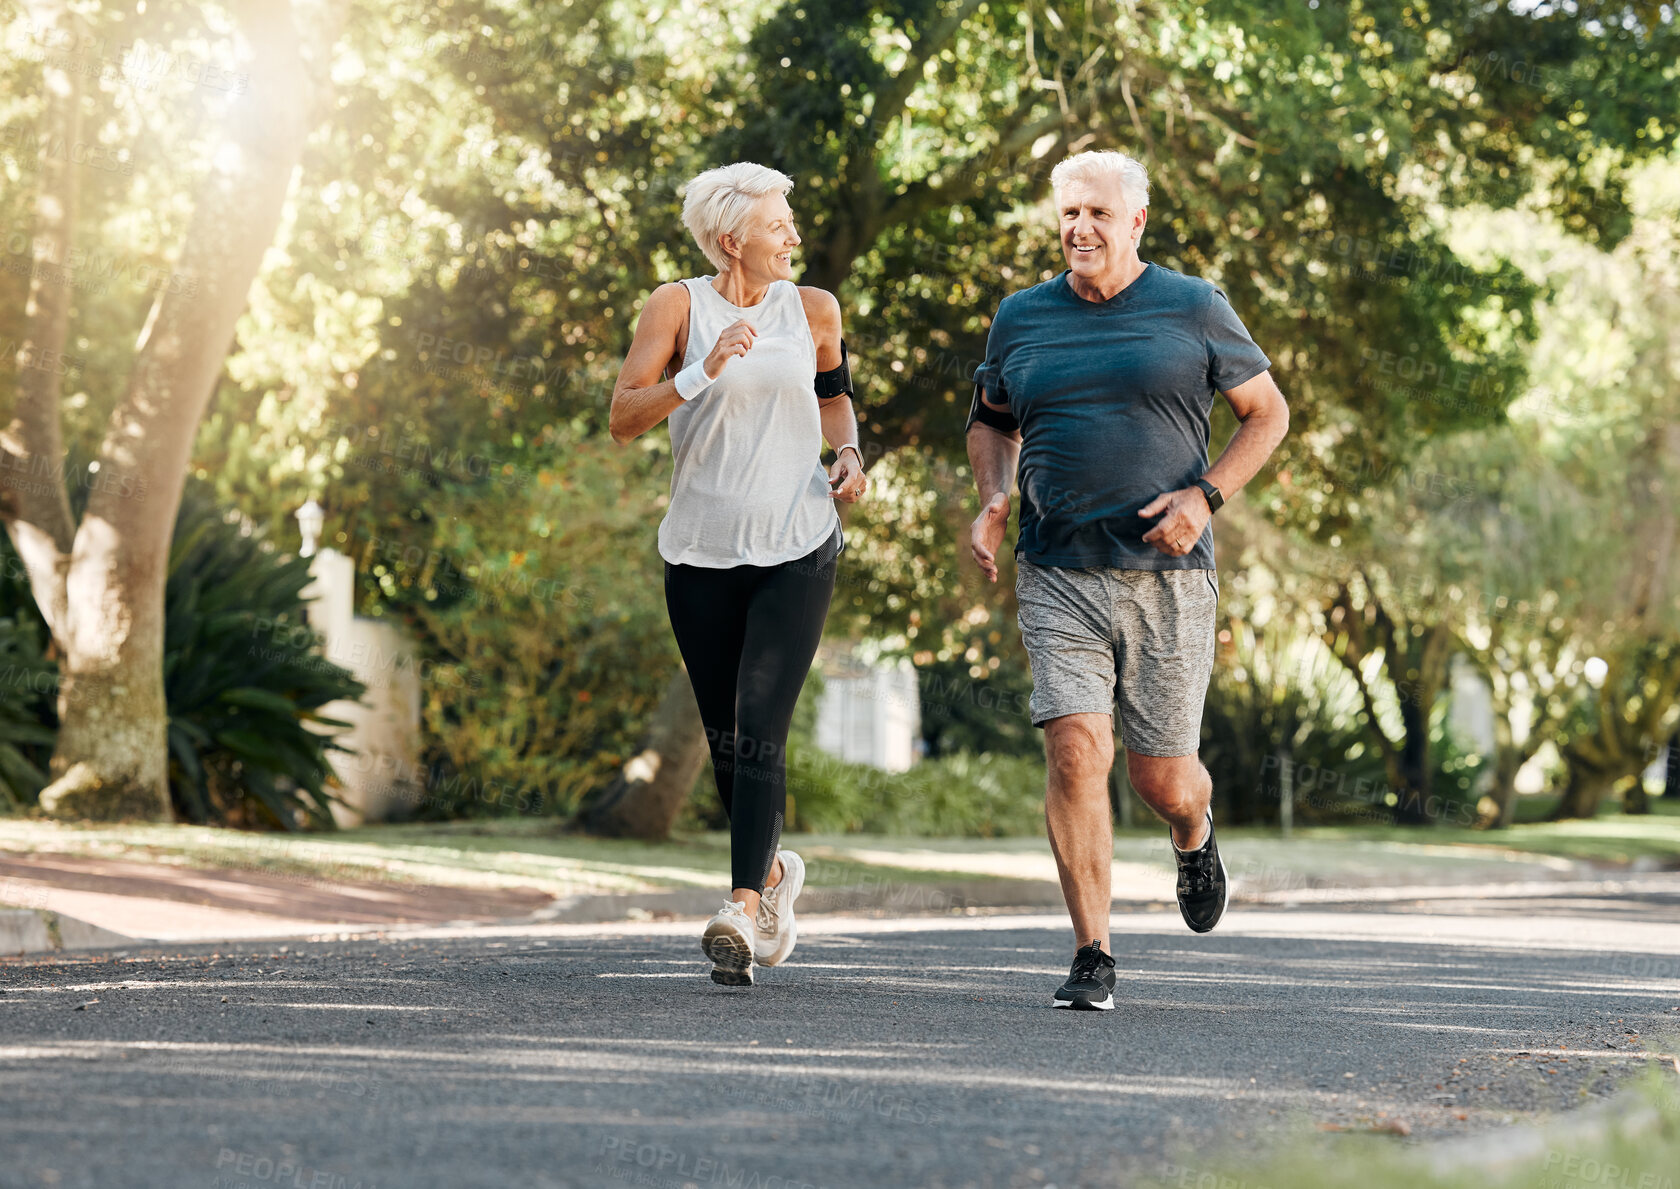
pixel 1001 420
pixel 836 381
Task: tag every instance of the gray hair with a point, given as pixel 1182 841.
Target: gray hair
pixel 1104 165
pixel 720 201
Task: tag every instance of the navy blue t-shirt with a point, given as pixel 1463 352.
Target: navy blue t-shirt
pixel 1113 399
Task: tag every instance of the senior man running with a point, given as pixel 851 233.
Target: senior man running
pixel 1100 383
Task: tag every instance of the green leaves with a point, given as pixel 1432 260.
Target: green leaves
pixel 242 673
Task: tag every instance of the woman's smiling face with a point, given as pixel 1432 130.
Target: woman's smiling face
pixel 767 250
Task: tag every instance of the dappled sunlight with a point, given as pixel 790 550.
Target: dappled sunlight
pixel 575 1029
pixel 575 1061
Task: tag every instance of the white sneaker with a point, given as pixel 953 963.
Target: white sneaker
pixel 776 930
pixel 728 942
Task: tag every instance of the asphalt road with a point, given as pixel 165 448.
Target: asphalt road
pixel 888 1052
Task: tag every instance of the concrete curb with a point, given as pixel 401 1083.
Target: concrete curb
pixel 900 897
pixel 30 930
pixel 35 931
pixel 892 896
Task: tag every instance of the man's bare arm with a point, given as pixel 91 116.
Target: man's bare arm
pixel 1184 513
pixel 1264 414
pixel 993 454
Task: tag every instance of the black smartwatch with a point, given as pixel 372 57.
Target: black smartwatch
pixel 1214 499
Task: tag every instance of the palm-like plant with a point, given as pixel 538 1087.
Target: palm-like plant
pixel 28 685
pixel 1279 698
pixel 244 677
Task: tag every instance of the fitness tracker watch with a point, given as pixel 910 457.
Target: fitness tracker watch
pixel 1214 499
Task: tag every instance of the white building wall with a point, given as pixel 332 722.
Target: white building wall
pixel 380 775
pixel 869 713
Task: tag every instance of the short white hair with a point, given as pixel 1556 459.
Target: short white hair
pixel 720 201
pixel 1101 165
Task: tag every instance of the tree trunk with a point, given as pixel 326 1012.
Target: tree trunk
pixel 1417 776
pixel 1504 794
pixel 1586 788
pixel 645 799
pixel 1508 759
pixel 1671 778
pixel 33 498
pixel 1286 792
pixel 111 756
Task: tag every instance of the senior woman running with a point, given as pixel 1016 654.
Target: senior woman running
pixel 758 379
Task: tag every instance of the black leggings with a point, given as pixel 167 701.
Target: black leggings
pixel 748 635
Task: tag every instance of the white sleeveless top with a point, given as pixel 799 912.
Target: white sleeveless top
pixel 748 486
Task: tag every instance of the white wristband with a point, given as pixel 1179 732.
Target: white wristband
pixel 692 380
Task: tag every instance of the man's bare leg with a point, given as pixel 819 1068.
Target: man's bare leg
pixel 1178 789
pixel 1079 751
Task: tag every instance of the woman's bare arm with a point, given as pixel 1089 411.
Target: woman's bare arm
pixel 641 400
pixel 822 311
pixel 846 479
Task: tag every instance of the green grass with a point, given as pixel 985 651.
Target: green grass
pixel 1640 1151
pixel 1618 839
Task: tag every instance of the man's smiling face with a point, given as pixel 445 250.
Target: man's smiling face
pixel 1099 232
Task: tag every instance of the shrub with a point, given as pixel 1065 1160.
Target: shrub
pixel 964 795
pixel 547 595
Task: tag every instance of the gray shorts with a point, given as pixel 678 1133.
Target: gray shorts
pixel 1153 630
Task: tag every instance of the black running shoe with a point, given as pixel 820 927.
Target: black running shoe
pixel 1202 884
pixel 1090 984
